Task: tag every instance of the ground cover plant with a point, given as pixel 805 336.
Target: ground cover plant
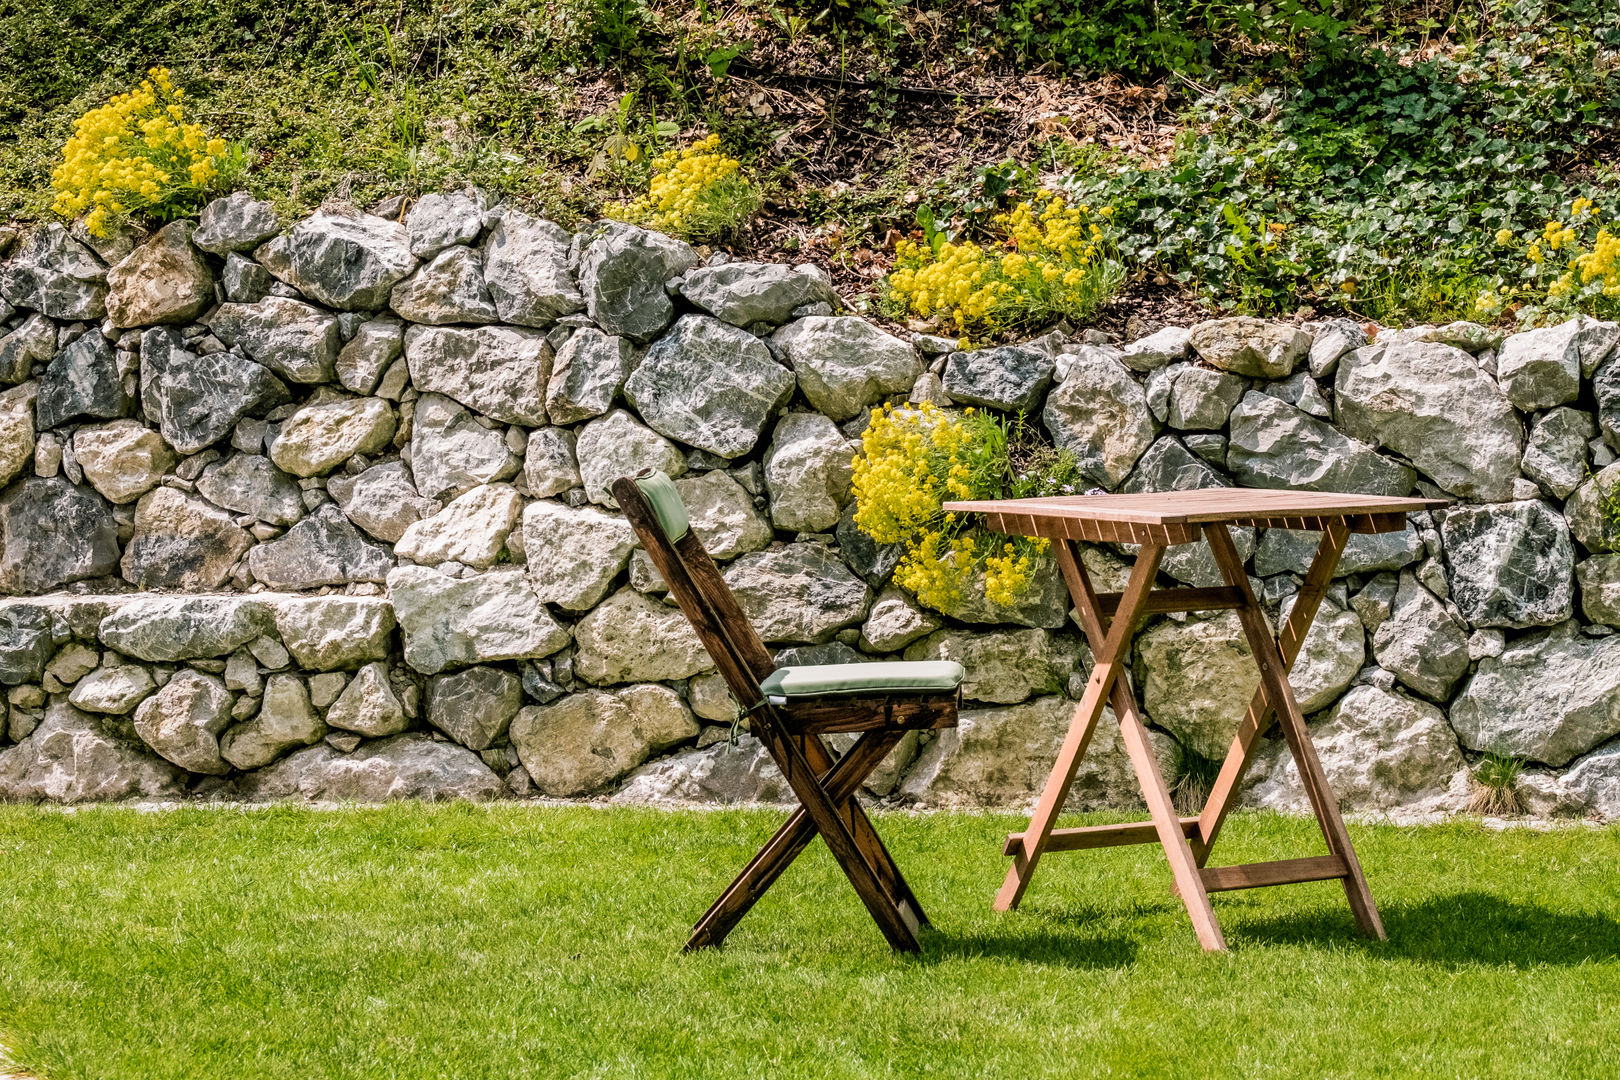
pixel 466 941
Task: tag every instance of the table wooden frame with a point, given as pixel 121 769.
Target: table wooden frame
pixel 1156 521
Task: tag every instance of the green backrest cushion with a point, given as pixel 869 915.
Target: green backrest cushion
pixel 659 491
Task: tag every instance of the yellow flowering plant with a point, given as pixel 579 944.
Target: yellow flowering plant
pixel 914 458
pixel 1572 264
pixel 137 154
pixel 1048 260
pixel 697 193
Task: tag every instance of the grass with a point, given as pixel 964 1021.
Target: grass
pixel 422 941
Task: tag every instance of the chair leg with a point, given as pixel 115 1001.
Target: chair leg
pixel 841 781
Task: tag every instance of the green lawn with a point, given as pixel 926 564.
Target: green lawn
pixel 455 941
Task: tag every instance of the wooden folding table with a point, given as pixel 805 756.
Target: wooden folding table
pixel 1156 521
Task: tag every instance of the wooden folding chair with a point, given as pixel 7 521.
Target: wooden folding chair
pixel 789 709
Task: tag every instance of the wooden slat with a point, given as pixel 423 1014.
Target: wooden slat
pixel 1160 601
pixel 824 716
pixel 1233 506
pixel 1281 872
pixel 1097 836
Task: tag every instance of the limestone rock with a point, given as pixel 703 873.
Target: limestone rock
pixel 720 774
pixel 471 530
pixel 376 344
pixel 550 462
pixel 1202 399
pixel 53 533
pixel 722 515
pixel 285 720
pixel 798 593
pixel 1044 604
pixel 16 429
pixel 618 445
pixel 323 549
pixel 236 222
pixel 1512 564
pixel 808 471
pixel 249 484
pixel 1164 346
pixel 622 272
pixel 73 757
pixel 167 629
pixel 1599 578
pixel 1585 512
pixel 197 400
pixel 182 543
pixel 32 342
pixel 318 438
pixel 382 500
pixel 629 639
pixel 123 459
pixel 1291 551
pixel 1332 654
pixel 82 382
pixel 1007 666
pixel 1549 697
pixel 1196 679
pixel 297 341
pixel 25 642
pixel 526 269
pixel 584 742
pixel 1167 466
pixel 709 385
pixel 438 221
pixel 574 554
pixel 368 705
pixel 1276 445
pixel 403 767
pixel 451 452
pixel 587 375
pixel 1421 643
pixel 447 289
pixel 183 721
pixel 1249 346
pixel 1593 783
pixel 344 260
pixel 1100 414
pixel 1012 378
pixel 844 363
pixel 1433 405
pixel 895 621
pixel 475 705
pixel 163 280
pixel 326 633
pixel 500 371
pixel 452 622
pixel 1539 369
pixel 1556 453
pixel 245 281
pixel 116 690
pixel 745 293
pixel 57 276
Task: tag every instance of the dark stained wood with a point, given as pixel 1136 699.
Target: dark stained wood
pixel 1096 836
pixel 839 713
pixel 1283 872
pixel 1177 599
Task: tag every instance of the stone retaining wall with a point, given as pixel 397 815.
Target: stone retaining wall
pixel 320 513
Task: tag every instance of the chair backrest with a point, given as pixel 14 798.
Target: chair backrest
pixel 654 509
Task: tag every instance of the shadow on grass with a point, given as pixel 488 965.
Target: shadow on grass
pixel 1031 941
pixel 1458 930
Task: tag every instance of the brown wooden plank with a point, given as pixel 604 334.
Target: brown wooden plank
pixel 1098 836
pixel 1177 599
pixel 1281 872
pixel 1203 506
pixel 823 716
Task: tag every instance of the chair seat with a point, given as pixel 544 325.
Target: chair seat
pixel 786 684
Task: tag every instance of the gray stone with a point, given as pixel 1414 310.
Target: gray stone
pixel 31 342
pixel 1291 551
pixel 82 382
pixel 73 757
pixel 285 720
pixel 844 363
pixel 245 281
pixel 318 438
pixel 709 385
pixel 1599 578
pixel 451 452
pixel 325 688
pixel 630 639
pixel 182 543
pixel 526 269
pixel 53 533
pixel 368 705
pixel 403 767
pixel 381 500
pixel 1606 390
pixel 1421 643
pixel 584 742
pixel 57 276
pixel 1196 678
pixel 72 662
pixel 323 549
pixel 499 371
pixel 619 445
pixel 574 554
pixel 1167 466
pixel 722 515
pixel 1593 783
pixel 16 429
pixel 345 260
pixel 868 558
pixel 1512 564
pixel 587 375
pixel 236 222
pixel 163 280
pixel 197 400
pixel 1556 453
pixel 325 633
pixel 1433 405
pixel 1539 369
pixel 375 345
pixel 1100 415
pixel 895 621
pixel 251 484
pixel 1164 346
pixel 475 705
pixel 1549 697
pixel 1275 445
pixel 1252 347
pixel 471 530
pixel 745 293
pixel 1302 392
pixel 447 289
pixel 1011 378
pixel 1330 341
pixel 123 459
pixel 452 622
pixel 1201 399
pixel 183 721
pixel 1006 666
pixel 1586 514
pixel 116 690
pixel 550 462
pixel 296 340
pixel 1333 652
pixel 437 221
pixel 798 593
pixel 25 642
pixel 1044 604
pixel 622 272
pixel 808 471
pixel 167 629
pixel 719 774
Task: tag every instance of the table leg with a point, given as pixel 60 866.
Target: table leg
pixel 1109 658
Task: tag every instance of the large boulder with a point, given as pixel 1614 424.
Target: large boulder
pixel 526 269
pixel 587 375
pixel 1005 667
pixel 1599 579
pixel 16 429
pixel 440 220
pixel 574 553
pixel 451 452
pixel 722 514
pixel 1557 451
pixel 1512 564
pixel 123 460
pixel 285 720
pixel 82 382
pixel 1196 678
pixel 328 633
pixel 1541 368
pixel 164 280
pixel 251 484
pixel 895 621
pixel 629 638
pixel 471 530
pixel 798 593
pixel 323 549
pixel 499 371
pixel 73 757
pixel 55 275
pixel 723 774
pixel 368 705
pixel 197 400
pixel 1421 643
pixel 618 445
pixel 584 742
pixel 1044 603
pixel 808 471
pixel 1291 551
pixel 550 461
pixel 30 342
pixel 236 222
pixel 374 348
pixel 1012 378
pixel 297 341
pixel 403 767
pixel 53 533
pixel 844 363
pixel 116 690
pixel 452 622
pixel 1100 415
pixel 183 721
pixel 1168 466
pixel 447 289
pixel 746 293
pixel 622 272
pixel 1329 658
pixel 181 542
pixel 709 385
pixel 1433 405
pixel 1201 399
pixel 1249 346
pixel 318 438
pixel 475 705
pixel 26 642
pixel 382 500
pixel 1275 445
pixel 345 260
pixel 167 629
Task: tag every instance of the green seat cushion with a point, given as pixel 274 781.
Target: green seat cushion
pixel 890 677
pixel 659 491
